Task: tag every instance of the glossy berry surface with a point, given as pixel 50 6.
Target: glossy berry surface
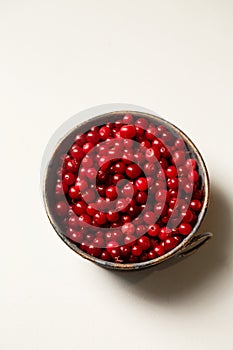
pixel 127 190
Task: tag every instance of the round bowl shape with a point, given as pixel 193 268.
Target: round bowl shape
pixel 188 244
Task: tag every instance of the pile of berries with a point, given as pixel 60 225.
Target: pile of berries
pixel 127 191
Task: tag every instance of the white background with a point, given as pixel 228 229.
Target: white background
pixel 58 58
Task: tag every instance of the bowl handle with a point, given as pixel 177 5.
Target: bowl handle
pixel 195 244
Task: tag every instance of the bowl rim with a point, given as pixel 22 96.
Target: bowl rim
pixel 157 260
